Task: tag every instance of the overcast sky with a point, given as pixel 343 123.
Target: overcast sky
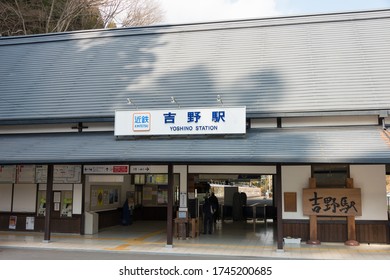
pixel 187 11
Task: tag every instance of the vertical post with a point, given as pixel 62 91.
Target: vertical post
pixel 351 224
pixel 313 239
pixel 82 221
pixel 279 212
pixel 49 199
pixel 170 207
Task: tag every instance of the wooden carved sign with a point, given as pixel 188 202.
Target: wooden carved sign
pixel 332 202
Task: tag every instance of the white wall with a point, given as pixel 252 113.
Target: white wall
pixel 294 179
pixel 5 197
pixel 182 170
pixel 24 198
pixel 371 179
pixel 329 121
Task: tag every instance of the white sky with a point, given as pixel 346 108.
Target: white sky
pixel 188 11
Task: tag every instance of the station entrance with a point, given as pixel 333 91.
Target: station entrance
pixel 246 203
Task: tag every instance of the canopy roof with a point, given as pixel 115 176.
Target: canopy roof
pixel 320 145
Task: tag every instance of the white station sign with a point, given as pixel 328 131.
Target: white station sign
pixel 187 121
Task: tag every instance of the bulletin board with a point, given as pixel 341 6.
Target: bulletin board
pixel 63 174
pixel 149 195
pixel 154 195
pixel 105 197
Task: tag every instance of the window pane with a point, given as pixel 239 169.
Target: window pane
pixel 330 176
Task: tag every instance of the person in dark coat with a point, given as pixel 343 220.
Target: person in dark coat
pixel 207 217
pixel 215 205
pixel 126 214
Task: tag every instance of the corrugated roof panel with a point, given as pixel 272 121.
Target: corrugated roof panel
pixel 336 62
pixel 321 145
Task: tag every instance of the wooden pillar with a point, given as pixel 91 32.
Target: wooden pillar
pixel 170 207
pixel 351 224
pixel 313 238
pixel 279 213
pixel 49 199
pixel 82 220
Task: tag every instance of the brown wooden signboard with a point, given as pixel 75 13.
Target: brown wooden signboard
pixel 332 202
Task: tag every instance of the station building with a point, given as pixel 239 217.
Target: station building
pixel 89 119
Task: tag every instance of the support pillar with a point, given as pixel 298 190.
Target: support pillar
pixel 170 207
pixel 49 200
pixel 313 238
pixel 351 225
pixel 279 213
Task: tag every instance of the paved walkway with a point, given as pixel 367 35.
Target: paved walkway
pixel 231 239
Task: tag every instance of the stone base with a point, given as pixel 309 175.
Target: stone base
pixel 313 242
pixel 351 243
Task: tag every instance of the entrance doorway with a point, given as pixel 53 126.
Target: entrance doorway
pixel 246 202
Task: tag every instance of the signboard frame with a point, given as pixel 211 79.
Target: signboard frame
pixel 188 121
pixel 332 202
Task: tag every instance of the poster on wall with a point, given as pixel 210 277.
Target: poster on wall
pixel 41 174
pixel 100 197
pixel 94 198
pixel 147 193
pixel 183 200
pixel 30 221
pixel 162 197
pixel 113 196
pixel 12 222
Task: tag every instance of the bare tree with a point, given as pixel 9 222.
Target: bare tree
pixel 143 12
pixel 110 9
pixel 23 17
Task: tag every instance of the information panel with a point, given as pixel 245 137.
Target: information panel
pixel 62 174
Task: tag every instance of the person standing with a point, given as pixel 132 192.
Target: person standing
pixel 207 217
pixel 215 206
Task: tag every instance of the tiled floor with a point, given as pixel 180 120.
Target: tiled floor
pixel 230 238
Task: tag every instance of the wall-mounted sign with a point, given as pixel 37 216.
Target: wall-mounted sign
pixel 67 174
pixel 106 169
pixel 146 169
pixel 62 174
pixel 332 202
pixel 222 120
